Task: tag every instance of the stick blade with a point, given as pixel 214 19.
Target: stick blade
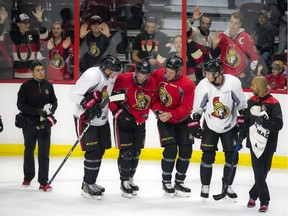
pixel 219 196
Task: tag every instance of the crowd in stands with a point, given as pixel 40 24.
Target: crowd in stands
pixel 26 37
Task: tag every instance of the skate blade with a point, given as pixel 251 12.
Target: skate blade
pixel 182 194
pixel 232 200
pixel 126 195
pixel 168 195
pixel 89 196
pixel 135 193
pixel 204 200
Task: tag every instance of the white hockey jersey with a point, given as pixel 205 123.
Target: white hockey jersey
pixel 92 80
pixel 220 103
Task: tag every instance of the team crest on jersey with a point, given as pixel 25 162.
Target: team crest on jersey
pixel 165 98
pixel 94 50
pixel 104 93
pixel 220 110
pixel 56 60
pixel 142 101
pixel 233 59
pixel 149 45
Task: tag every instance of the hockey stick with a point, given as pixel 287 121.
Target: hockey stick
pixel 224 193
pixel 103 104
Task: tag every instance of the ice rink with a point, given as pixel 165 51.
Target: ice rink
pixel 65 198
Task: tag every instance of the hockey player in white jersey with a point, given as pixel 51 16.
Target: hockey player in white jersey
pixel 219 97
pixel 91 89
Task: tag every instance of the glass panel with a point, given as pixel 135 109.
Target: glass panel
pixel 35 30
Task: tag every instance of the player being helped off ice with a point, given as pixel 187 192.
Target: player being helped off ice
pixel 220 99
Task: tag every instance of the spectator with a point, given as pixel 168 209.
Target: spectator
pixel 263 121
pixel 263 35
pixel 151 43
pixel 60 51
pixel 199 43
pixel 97 41
pixel 26 43
pixel 5 51
pixel 237 51
pixel 129 121
pixel 38 102
pixel 282 46
pixel 177 42
pixel 276 80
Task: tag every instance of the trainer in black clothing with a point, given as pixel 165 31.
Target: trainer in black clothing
pixel 263 121
pixel 37 100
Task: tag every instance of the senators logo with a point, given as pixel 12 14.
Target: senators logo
pixel 142 101
pixel 56 60
pixel 220 110
pixel 94 50
pixel 233 59
pixel 165 98
pixel 149 45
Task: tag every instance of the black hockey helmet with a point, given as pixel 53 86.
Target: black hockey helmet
pixel 213 66
pixel 143 66
pixel 174 63
pixel 112 63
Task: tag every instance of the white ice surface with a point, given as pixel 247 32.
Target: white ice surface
pixel 65 199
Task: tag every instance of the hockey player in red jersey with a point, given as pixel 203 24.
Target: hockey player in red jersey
pixel 173 109
pixel 237 50
pixel 219 97
pixel 129 121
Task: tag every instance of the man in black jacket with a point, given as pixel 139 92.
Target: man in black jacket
pixel 263 121
pixel 38 102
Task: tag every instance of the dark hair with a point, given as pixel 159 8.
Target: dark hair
pixel 34 64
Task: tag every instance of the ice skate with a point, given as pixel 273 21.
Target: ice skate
pixel 182 190
pixel 126 190
pixel 230 193
pixel 91 191
pixel 168 189
pixel 102 189
pixel 205 192
pixel 134 187
pixel 42 187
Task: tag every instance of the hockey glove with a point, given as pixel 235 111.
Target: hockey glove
pixel 90 99
pixel 123 118
pixel 1 125
pixel 258 119
pixel 49 122
pixel 195 128
pixel 46 111
pixel 92 112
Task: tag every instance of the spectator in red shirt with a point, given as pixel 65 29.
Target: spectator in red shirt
pixel 276 80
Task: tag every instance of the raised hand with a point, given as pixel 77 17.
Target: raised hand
pixel 84 30
pixel 38 13
pixel 3 15
pixel 66 42
pixel 105 30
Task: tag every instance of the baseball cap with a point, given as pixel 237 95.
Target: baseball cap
pixel 95 19
pixel 151 18
pixel 265 13
pixel 277 65
pixel 22 18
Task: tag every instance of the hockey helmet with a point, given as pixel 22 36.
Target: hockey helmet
pixel 174 63
pixel 143 66
pixel 112 63
pixel 213 66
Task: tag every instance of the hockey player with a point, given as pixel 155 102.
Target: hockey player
pixel 176 95
pixel 91 89
pixel 129 121
pixel 219 97
pixel 263 121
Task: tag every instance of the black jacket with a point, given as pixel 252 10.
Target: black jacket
pixel 275 122
pixel 32 97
